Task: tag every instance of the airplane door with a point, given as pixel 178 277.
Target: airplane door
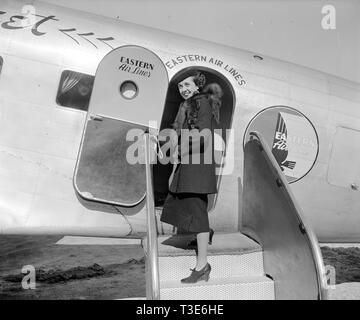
pixel 128 97
pixel 343 170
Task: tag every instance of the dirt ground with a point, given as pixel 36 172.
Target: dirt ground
pixel 70 271
pixel 346 262
pixel 103 271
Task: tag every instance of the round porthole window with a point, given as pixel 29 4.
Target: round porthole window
pixel 291 137
pixel 129 90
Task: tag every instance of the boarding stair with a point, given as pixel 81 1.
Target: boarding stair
pixel 237 269
pixel 275 255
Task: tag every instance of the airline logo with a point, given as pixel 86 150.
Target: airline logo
pixel 291 137
pixel 280 148
pixel 136 66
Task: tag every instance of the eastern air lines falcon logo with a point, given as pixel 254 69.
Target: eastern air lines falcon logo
pixel 280 148
pixel 291 136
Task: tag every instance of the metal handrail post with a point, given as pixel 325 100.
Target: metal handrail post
pixel 152 245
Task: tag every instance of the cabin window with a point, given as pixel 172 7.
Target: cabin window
pixel 1 63
pixel 75 90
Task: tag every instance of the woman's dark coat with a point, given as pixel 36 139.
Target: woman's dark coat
pixel 193 176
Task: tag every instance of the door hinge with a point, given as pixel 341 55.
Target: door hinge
pixel 96 118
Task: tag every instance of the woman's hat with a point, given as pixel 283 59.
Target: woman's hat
pixel 199 78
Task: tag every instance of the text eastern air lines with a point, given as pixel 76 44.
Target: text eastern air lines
pixel 137 63
pixel 35 21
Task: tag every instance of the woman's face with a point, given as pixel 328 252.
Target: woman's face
pixel 188 88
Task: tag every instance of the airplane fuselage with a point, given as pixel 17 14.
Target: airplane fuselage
pixel 316 119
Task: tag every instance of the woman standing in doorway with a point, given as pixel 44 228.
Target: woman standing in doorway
pixel 194 177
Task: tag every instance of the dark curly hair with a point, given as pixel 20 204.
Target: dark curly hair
pixel 199 79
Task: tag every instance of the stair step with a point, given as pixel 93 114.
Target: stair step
pixel 236 288
pixel 223 244
pixel 222 266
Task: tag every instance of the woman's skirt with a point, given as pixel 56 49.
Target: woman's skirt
pixel 187 212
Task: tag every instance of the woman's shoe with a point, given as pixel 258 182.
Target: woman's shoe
pixel 196 276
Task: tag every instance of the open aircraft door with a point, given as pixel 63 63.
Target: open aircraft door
pixel 128 98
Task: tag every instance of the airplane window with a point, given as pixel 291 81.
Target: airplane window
pixel 1 63
pixel 75 90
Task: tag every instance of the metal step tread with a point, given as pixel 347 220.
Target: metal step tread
pixel 222 244
pixel 239 288
pixel 217 282
pixel 223 266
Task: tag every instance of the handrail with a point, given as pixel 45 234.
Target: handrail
pixel 258 222
pixel 153 283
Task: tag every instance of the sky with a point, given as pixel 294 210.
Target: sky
pixel 288 30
